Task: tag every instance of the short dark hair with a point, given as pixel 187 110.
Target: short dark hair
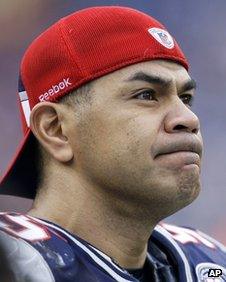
pixel 81 96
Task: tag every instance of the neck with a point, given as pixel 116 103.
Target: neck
pixel 120 231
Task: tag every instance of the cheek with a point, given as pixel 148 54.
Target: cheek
pixel 121 139
pixel 115 151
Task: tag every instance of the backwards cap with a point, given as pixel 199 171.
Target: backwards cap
pixel 77 49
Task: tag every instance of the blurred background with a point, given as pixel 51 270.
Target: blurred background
pixel 199 27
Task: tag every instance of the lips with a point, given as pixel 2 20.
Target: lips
pixel 179 159
pixel 193 146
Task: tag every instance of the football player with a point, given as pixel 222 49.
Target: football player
pixel 111 147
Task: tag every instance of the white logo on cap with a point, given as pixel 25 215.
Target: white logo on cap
pixel 65 83
pixel 162 36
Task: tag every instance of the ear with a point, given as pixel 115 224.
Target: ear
pixel 48 124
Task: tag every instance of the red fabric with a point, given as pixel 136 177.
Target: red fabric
pixel 89 44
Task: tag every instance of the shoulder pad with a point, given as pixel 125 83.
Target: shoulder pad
pixel 25 262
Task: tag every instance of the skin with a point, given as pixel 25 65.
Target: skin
pixel 120 164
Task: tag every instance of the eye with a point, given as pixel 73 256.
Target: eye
pixel 187 99
pixel 148 94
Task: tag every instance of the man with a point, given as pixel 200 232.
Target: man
pixel 111 147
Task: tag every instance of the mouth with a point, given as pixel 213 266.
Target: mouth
pixel 173 148
pixel 179 159
pixel 177 155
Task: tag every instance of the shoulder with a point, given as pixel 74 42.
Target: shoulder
pixel 196 249
pixel 30 245
pixel 42 251
pixel 190 237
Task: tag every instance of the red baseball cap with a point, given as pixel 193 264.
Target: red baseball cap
pixel 75 50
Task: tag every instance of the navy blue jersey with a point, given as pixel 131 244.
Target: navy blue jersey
pixel 41 251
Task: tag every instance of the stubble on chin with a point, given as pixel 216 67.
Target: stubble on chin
pixel 188 186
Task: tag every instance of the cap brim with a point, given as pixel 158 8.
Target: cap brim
pixel 20 178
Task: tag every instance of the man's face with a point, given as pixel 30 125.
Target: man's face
pixel 139 140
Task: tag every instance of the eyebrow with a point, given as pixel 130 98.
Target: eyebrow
pixel 142 76
pixel 188 85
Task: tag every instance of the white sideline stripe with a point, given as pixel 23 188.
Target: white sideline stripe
pixel 92 255
pixel 177 247
pixel 23 96
pixel 107 258
pixel 25 106
pixel 27 111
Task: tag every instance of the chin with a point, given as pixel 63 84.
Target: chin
pixel 189 187
pixel 184 198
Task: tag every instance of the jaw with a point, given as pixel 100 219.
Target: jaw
pixel 169 190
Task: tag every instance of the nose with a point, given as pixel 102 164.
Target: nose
pixel 180 118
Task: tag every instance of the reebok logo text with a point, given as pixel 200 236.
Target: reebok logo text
pixel 55 89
